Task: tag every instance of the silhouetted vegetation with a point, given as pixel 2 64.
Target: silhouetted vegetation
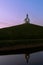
pixel 24 31
pixel 21 34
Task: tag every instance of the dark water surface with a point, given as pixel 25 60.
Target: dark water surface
pixel 19 59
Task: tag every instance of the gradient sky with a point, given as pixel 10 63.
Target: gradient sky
pixel 13 12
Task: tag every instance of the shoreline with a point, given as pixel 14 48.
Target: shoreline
pixel 18 49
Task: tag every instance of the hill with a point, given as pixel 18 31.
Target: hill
pixel 24 31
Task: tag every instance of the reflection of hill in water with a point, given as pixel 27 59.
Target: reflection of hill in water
pixel 18 59
pixel 26 52
pixel 13 50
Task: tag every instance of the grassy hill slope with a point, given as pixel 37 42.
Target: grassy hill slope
pixel 24 31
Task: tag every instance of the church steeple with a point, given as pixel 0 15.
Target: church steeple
pixel 27 20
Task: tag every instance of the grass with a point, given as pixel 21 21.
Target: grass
pixel 8 43
pixel 21 34
pixel 24 31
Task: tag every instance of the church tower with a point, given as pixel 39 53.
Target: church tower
pixel 27 20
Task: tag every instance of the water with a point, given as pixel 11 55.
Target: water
pixel 19 59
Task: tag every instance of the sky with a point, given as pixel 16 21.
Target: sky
pixel 13 12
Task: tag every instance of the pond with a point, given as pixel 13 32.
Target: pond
pixel 20 59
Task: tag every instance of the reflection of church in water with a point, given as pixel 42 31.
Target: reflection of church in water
pixel 27 56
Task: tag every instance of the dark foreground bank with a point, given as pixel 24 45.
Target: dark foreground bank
pixel 21 49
